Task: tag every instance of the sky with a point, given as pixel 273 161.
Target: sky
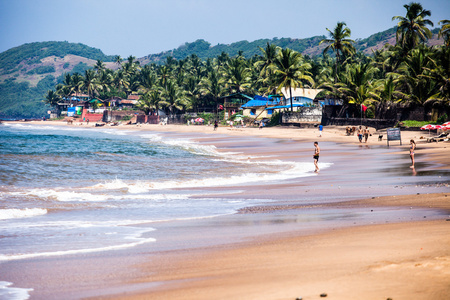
pixel 143 27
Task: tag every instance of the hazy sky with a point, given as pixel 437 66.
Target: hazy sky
pixel 142 27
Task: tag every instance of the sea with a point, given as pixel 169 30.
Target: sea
pixel 69 190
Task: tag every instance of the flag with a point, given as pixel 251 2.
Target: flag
pixel 363 107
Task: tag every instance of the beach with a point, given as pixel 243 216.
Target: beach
pixel 365 227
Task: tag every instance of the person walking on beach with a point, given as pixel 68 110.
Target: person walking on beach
pixel 316 156
pixel 216 124
pixel 411 152
pixel 320 130
pixel 366 134
pixel 360 134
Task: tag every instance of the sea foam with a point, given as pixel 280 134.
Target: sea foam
pixel 13 293
pixel 12 213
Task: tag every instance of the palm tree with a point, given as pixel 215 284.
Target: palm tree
pixel 265 65
pixel 52 98
pixel 237 75
pixel 339 42
pixel 440 73
pixel 357 83
pixel 118 60
pixel 192 91
pixel 412 29
pixel 210 85
pixel 99 66
pixel 90 83
pixel 415 76
pixel 290 71
pixel 444 32
pixel 173 97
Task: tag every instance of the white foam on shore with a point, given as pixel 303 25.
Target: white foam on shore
pixel 64 196
pixel 295 171
pixel 13 213
pixel 74 252
pixel 13 293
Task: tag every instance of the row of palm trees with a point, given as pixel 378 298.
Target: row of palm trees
pixel 409 72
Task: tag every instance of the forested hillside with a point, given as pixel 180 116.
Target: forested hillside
pixel 28 71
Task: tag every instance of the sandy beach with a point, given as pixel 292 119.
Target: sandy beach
pixel 402 251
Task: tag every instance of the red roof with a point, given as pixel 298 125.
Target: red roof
pixel 128 101
pixel 133 97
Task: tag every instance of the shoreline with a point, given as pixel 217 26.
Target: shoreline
pixel 267 267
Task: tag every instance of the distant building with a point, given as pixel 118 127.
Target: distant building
pixel 260 107
pixel 233 102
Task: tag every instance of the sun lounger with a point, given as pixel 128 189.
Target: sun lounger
pixel 438 138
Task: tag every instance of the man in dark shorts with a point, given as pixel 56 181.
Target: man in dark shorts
pixel 316 156
pixel 360 134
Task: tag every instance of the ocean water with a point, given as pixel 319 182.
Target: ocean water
pixel 68 190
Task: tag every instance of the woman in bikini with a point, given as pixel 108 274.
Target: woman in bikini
pixel 411 152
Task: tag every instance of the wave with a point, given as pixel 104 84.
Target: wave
pixel 5 257
pixel 13 293
pixel 64 196
pixel 12 213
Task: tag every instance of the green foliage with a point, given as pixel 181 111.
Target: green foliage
pixel 42 70
pixel 80 68
pixel 203 49
pixel 375 39
pixel 19 100
pixel 413 123
pixel 275 119
pixel 32 53
pixel 208 117
pixel 442 119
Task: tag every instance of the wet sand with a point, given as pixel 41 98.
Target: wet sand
pixel 367 227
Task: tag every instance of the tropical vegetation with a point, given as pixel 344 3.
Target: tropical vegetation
pixel 409 73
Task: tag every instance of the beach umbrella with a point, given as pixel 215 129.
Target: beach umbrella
pixel 428 127
pixel 199 120
pixel 446 124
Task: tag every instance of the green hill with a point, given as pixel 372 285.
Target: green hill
pixel 28 71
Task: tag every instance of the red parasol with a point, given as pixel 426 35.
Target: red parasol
pixel 428 127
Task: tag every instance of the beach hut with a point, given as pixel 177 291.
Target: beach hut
pixel 300 96
pixel 261 107
pixel 233 102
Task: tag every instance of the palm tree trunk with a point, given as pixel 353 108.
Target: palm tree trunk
pixel 292 102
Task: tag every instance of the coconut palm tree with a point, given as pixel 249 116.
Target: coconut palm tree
pixel 237 75
pixel 444 32
pixel 99 66
pixel 265 64
pixel 118 60
pixel 339 42
pixel 290 72
pixel 415 76
pixel 210 85
pixel 412 29
pixel 173 97
pixel 52 98
pixel 90 83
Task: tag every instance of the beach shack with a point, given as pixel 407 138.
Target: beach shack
pixel 232 103
pixel 300 97
pixel 261 107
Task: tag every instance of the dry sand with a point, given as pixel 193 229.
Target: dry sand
pixel 406 260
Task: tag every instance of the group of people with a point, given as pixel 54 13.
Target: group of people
pixel 363 132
